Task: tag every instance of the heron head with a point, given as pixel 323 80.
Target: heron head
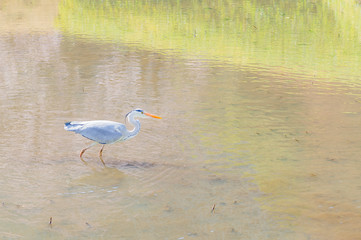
pixel 141 114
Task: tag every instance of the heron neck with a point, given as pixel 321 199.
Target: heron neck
pixel 136 129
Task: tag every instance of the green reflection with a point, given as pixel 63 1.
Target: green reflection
pixel 320 38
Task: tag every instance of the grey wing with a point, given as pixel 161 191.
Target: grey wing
pixel 103 132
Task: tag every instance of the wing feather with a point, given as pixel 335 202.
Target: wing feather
pixel 103 132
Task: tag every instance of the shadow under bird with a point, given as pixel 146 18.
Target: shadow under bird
pixel 107 132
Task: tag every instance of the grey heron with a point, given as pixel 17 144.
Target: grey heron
pixel 107 132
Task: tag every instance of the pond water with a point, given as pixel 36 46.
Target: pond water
pixel 259 136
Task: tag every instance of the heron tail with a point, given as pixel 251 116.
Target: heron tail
pixel 73 126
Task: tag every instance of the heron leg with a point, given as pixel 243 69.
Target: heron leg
pixel 101 155
pixel 101 152
pixel 82 151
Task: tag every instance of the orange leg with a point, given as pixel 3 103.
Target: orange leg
pixel 101 151
pixel 83 151
pixel 101 155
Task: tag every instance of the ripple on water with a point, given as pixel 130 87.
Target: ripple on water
pixel 134 177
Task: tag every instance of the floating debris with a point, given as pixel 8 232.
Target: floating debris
pixel 192 234
pixel 213 208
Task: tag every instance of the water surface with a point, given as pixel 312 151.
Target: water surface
pixel 256 141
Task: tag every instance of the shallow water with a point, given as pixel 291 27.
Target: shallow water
pixel 245 150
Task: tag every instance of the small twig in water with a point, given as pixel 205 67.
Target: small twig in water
pixel 213 208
